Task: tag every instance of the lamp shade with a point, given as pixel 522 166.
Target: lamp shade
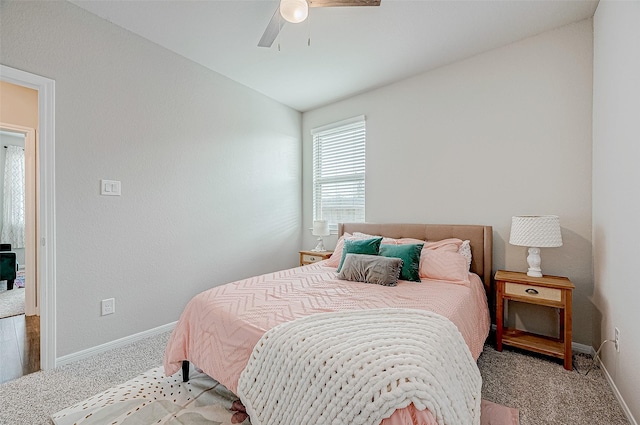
pixel 320 228
pixel 540 231
pixel 294 11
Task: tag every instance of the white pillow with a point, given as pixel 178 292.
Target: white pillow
pixel 465 251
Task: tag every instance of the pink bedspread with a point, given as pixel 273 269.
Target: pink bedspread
pixel 219 327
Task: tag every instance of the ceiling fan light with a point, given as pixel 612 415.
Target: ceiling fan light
pixel 294 11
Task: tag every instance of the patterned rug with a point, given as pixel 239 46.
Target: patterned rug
pixel 19 282
pixel 11 302
pixel 153 398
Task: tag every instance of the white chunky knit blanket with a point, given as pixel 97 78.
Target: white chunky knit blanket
pixel 358 367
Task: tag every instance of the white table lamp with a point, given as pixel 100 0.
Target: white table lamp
pixel 320 229
pixel 535 232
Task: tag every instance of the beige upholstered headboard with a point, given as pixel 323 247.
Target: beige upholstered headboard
pixel 480 237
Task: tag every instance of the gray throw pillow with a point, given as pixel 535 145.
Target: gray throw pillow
pixel 371 269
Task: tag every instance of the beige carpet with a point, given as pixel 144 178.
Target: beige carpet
pixel 11 302
pixel 543 392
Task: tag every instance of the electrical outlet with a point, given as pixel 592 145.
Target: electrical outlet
pixel 108 306
pixel 616 339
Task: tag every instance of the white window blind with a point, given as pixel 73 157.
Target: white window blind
pixel 339 172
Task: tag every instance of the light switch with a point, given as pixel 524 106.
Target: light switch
pixel 110 187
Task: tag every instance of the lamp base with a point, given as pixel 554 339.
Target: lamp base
pixel 320 246
pixel 534 261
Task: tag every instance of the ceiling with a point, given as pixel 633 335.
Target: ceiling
pixel 353 49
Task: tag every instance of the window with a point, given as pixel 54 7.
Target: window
pixel 339 171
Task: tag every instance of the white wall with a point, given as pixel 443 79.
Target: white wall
pixel 210 172
pixel 616 197
pixel 503 133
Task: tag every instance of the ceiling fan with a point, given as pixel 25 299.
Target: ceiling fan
pixel 296 11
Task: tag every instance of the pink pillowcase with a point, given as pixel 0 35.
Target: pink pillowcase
pixel 334 260
pixel 440 260
pixel 445 265
pixel 385 240
pixel 450 245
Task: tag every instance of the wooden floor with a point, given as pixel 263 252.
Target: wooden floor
pixel 19 346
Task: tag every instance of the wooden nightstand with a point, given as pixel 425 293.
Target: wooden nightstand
pixel 550 291
pixel 310 257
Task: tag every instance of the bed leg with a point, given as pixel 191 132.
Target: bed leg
pixel 185 370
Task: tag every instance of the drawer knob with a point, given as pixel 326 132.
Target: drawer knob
pixel 531 291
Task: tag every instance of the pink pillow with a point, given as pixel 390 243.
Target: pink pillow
pixel 451 244
pixel 385 240
pixel 444 265
pixel 409 241
pixel 334 260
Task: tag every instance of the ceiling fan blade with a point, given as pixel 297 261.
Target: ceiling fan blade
pixel 336 3
pixel 273 29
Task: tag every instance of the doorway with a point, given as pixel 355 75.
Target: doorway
pixel 18 207
pixel 18 244
pixel 43 237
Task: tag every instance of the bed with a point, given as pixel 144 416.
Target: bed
pixel 220 327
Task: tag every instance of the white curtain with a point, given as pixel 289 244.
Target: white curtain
pixel 13 208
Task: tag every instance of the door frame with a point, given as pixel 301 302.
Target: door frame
pixel 45 206
pixel 32 306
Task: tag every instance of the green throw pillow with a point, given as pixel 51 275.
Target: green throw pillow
pixel 366 246
pixel 410 256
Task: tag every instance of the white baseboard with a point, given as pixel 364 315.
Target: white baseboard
pixel 583 348
pixel 623 404
pixel 90 352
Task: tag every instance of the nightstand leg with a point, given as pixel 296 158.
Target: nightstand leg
pixel 499 315
pixel 568 337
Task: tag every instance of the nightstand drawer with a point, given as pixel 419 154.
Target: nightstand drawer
pixel 311 258
pixel 533 292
